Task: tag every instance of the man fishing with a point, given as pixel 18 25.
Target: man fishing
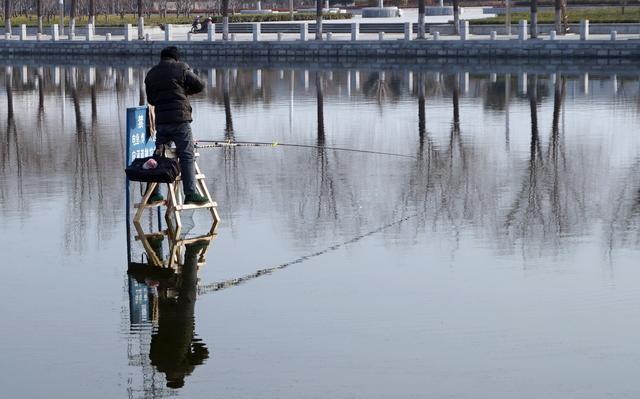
pixel 168 85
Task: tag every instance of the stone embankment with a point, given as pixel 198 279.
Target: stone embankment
pixel 339 49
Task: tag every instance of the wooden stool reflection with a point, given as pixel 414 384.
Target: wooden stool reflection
pixel 175 205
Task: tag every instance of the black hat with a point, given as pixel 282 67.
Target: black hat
pixel 170 52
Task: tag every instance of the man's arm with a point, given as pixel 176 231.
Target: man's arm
pixel 147 88
pixel 192 83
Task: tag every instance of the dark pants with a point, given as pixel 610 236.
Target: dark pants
pixel 180 134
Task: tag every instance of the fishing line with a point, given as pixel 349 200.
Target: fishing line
pixel 216 144
pixel 218 286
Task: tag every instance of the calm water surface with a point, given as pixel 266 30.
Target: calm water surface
pixel 497 259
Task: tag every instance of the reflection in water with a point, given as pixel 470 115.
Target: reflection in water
pixel 464 177
pixel 164 299
pixel 504 170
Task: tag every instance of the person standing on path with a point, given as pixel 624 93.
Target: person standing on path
pixel 169 85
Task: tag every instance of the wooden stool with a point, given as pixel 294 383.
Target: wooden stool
pixel 175 205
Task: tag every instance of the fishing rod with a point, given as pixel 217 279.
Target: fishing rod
pixel 221 285
pixel 229 143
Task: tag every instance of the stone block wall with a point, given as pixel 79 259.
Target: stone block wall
pixel 391 49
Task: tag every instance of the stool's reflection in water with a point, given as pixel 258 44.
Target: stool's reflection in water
pixel 164 299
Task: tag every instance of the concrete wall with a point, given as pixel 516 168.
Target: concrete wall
pixel 388 49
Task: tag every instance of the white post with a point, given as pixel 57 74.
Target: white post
pixel 552 35
pixel 168 33
pixel 464 82
pixel 380 35
pixel 329 35
pixel 127 32
pixel 211 32
pixel 140 28
pixel 522 30
pixel 108 37
pixel 89 32
pixel 408 31
pixel 55 33
pixel 584 29
pixel 255 28
pixel 436 35
pixel 585 82
pixel 464 30
pixel 493 77
pixel 147 37
pixel 279 36
pixel 355 29
pixel 614 35
pixel 493 35
pixel 23 32
pixel 522 83
pixel 303 31
pixel 211 77
pixel 189 36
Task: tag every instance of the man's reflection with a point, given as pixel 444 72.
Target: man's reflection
pixel 175 348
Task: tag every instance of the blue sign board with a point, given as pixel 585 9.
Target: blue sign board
pixel 139 144
pixel 139 311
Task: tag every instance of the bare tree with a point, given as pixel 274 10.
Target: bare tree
pixel 318 19
pixel 558 15
pixel 421 19
pixel 72 17
pixel 7 16
pixel 92 13
pixel 534 19
pixel 225 19
pixel 456 17
pixel 39 15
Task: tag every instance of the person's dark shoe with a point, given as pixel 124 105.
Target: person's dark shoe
pixel 196 199
pixel 155 198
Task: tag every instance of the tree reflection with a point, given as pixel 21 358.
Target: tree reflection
pixel 529 199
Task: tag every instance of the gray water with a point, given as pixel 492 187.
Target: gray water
pixel 496 259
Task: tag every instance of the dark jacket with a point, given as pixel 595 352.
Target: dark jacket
pixel 168 84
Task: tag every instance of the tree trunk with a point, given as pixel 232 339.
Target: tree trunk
pixel 422 124
pixel 226 86
pixel 225 19
pixel 7 16
pixel 534 19
pixel 72 17
pixel 558 16
pixel 318 19
pixel 39 14
pixel 291 9
pixel 421 19
pixel 507 17
pixel 320 108
pixel 456 102
pixel 456 17
pixel 140 20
